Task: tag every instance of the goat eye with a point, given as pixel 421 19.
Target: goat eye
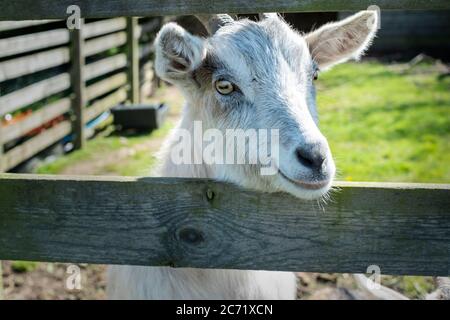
pixel 224 87
pixel 316 75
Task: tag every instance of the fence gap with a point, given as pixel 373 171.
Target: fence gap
pixel 133 59
pixel 78 84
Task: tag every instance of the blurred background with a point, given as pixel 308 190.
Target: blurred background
pixel 386 118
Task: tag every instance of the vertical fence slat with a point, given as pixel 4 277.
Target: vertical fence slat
pixel 1 281
pixel 78 85
pixel 1 146
pixel 133 59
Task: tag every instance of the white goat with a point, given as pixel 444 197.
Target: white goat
pixel 247 75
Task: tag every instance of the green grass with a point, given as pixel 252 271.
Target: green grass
pixel 137 163
pixel 23 266
pixel 386 125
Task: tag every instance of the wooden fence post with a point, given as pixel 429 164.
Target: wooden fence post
pixel 1 282
pixel 133 59
pixel 78 84
pixel 1 147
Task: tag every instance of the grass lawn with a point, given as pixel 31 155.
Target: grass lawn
pixel 385 123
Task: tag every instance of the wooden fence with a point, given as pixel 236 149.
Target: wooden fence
pixel 402 228
pixel 53 81
pixel 49 9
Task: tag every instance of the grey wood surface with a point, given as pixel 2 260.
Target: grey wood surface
pixel 45 9
pixel 21 66
pixel 102 27
pixel 1 148
pixel 104 66
pixel 104 86
pixel 78 84
pixel 104 43
pixel 133 60
pixel 11 25
pixel 402 228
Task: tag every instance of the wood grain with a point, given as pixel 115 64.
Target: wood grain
pixel 133 60
pixel 78 84
pixel 404 229
pixel 49 9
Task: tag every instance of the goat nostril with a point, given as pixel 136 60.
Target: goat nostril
pixel 304 158
pixel 308 159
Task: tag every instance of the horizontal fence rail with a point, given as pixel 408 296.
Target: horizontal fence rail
pixel 402 228
pixel 43 9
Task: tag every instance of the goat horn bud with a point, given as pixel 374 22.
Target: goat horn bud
pixel 267 15
pixel 214 22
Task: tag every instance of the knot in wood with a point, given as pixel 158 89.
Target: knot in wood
pixel 191 235
pixel 209 194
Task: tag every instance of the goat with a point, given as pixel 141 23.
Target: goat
pixel 247 75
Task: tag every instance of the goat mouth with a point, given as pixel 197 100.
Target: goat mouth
pixel 306 185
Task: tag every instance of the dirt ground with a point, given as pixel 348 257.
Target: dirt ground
pixel 52 282
pixel 49 281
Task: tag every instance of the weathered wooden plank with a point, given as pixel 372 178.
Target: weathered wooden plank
pixel 43 9
pixel 106 85
pixel 104 43
pixel 133 59
pixel 104 66
pixel 402 228
pixel 11 25
pixel 1 149
pixel 1 282
pixel 36 119
pixel 18 67
pixel 101 27
pixel 32 93
pixel 36 144
pixel 104 104
pixel 33 41
pixel 77 79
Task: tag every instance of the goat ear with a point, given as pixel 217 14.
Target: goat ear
pixel 340 41
pixel 177 52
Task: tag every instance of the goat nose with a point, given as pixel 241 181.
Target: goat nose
pixel 310 158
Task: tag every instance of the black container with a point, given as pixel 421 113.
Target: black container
pixel 145 117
